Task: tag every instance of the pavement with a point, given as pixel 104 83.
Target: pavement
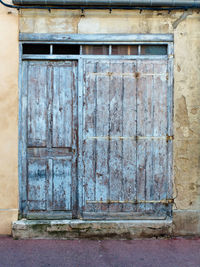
pixel 177 252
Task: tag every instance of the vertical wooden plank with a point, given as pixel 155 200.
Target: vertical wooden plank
pixel 160 129
pixel 23 137
pixel 49 134
pixel 49 185
pixel 62 181
pixel 150 144
pixel 80 111
pixel 129 132
pixel 62 104
pixel 115 130
pixel 75 147
pixel 145 122
pixel 37 181
pixel 170 131
pixel 37 104
pixel 152 125
pixel 102 130
pixel 89 113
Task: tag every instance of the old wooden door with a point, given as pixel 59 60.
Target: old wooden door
pixel 49 123
pixel 126 145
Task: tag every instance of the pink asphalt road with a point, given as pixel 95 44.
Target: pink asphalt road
pixel 140 253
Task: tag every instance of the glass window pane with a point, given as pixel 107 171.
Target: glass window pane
pixel 154 50
pixel 63 49
pixel 124 50
pixel 36 49
pixel 95 50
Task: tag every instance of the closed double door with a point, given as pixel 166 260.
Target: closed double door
pixel 95 143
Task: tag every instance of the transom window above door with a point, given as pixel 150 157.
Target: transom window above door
pixel 94 49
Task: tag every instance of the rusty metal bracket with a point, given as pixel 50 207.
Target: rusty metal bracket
pixel 168 138
pixel 136 138
pixel 137 75
pixel 162 201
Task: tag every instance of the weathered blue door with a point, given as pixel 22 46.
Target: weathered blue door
pixel 122 167
pixel 49 107
pixel 126 145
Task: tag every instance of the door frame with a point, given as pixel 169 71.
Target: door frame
pixel 100 39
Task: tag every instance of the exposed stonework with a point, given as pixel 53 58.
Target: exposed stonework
pixel 186 223
pixel 74 229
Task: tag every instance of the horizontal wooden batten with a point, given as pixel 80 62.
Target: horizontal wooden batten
pixel 162 201
pixel 76 57
pixel 101 38
pixel 121 216
pixel 49 152
pixel 56 215
pixel 167 138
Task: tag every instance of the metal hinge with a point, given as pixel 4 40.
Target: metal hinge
pixel 168 137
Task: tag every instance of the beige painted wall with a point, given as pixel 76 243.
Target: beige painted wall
pixel 186 29
pixel 8 118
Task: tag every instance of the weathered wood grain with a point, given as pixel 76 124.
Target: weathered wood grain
pixel 102 129
pixel 62 105
pixel 62 182
pixel 129 99
pixel 129 130
pixel 89 145
pixel 115 129
pixel 125 114
pixel 37 184
pixel 37 104
pixel 51 139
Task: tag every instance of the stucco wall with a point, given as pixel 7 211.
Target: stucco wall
pixel 8 118
pixel 186 29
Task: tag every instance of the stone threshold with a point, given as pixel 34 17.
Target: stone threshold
pixel 77 229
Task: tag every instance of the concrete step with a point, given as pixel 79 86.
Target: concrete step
pixel 76 229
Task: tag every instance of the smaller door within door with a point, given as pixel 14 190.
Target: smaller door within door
pixel 51 122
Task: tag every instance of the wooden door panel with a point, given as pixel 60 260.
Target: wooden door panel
pixel 101 130
pixel 51 139
pixel 125 149
pixel 62 182
pixel 152 124
pixel 115 130
pixel 37 184
pixel 109 99
pixel 63 80
pixel 37 104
